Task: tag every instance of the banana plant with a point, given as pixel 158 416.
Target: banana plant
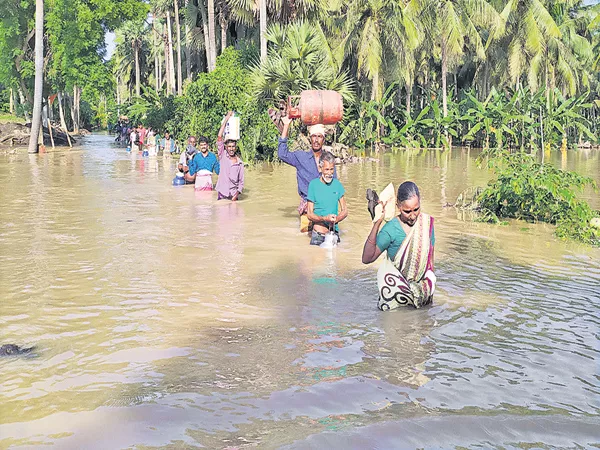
pixel 443 127
pixel 567 115
pixel 370 123
pixel 409 135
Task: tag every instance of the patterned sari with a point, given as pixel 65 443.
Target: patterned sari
pixel 409 278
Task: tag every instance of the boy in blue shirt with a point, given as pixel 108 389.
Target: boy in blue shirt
pixel 326 202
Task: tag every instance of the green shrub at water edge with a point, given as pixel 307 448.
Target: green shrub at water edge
pixel 525 189
pixel 211 95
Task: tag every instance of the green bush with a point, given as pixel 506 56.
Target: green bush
pixel 205 101
pixel 525 189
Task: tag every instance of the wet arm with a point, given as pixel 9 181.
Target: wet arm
pixel 284 154
pixel 310 214
pixel 220 147
pixel 223 124
pixel 343 210
pixel 241 179
pixel 370 251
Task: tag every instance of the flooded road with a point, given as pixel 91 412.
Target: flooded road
pixel 164 319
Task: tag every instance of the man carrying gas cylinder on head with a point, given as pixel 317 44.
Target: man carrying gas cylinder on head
pixel 306 164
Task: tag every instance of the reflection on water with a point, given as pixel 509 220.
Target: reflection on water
pixel 172 319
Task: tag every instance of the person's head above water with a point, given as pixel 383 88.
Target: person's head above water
pixel 191 147
pixel 203 145
pixel 327 165
pixel 408 200
pixel 317 137
pixel 231 147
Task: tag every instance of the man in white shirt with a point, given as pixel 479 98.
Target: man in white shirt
pixel 186 156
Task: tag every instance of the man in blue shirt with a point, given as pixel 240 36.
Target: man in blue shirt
pixel 201 167
pixel 326 202
pixel 306 163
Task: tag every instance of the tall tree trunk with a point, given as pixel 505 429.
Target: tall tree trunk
pixel 224 25
pixel 49 121
pixel 75 108
pixel 36 122
pixel 171 65
pixel 425 88
pixel 11 107
pixel 408 98
pixel 160 72
pixel 206 33
pixel 50 111
pixel 61 113
pixel 178 26
pixel 455 86
pixel 118 90
pixel 212 39
pixel 263 30
pixel 375 87
pixel 444 77
pixel 167 64
pixel 136 53
pixel 154 45
pixel 188 52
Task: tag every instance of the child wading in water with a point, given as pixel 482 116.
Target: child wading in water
pixel 231 176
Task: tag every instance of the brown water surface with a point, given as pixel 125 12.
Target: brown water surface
pixel 162 318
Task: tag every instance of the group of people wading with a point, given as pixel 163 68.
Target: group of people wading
pixel 198 164
pixel 406 276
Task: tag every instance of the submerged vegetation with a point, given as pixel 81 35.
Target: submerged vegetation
pixel 528 190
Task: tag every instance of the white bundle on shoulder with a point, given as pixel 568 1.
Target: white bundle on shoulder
pixel 387 196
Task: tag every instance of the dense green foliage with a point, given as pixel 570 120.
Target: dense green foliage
pixel 74 49
pixel 525 189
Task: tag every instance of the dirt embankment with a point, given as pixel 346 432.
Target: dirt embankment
pixel 17 134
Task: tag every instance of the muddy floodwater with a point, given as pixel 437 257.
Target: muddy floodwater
pixel 162 318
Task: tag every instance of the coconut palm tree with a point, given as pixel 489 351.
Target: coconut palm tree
pixel 458 24
pixel 248 12
pixel 198 35
pixel 299 59
pixel 133 33
pixel 379 37
pixel 131 49
pixel 528 28
pixel 178 30
pixel 212 39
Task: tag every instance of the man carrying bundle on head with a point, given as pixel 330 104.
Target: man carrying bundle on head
pixel 231 178
pixel 306 164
